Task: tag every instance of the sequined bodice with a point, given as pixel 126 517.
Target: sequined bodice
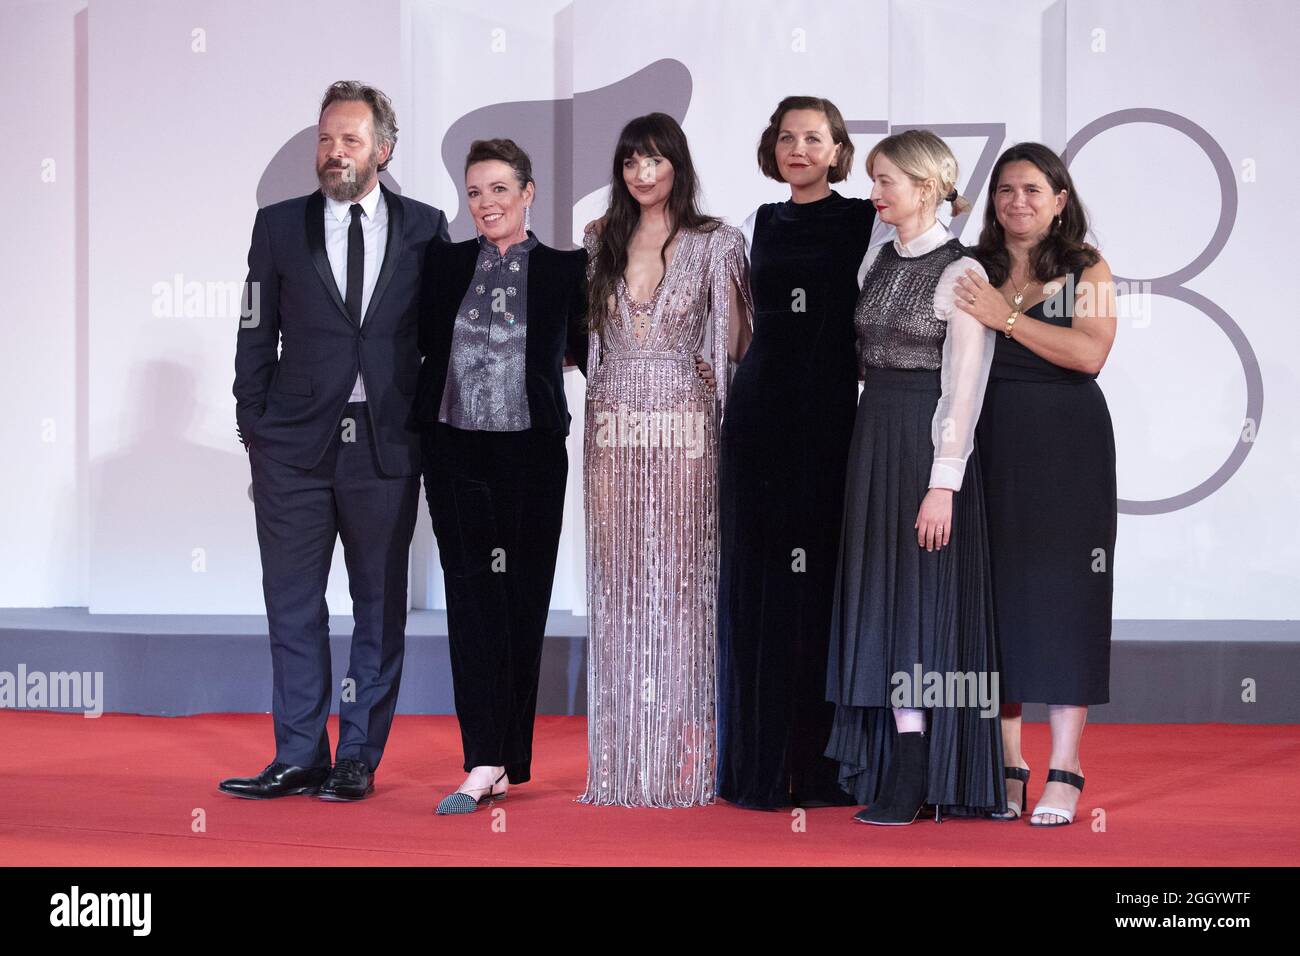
pixel 894 319
pixel 656 368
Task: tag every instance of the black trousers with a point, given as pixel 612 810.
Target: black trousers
pixel 300 513
pixel 496 500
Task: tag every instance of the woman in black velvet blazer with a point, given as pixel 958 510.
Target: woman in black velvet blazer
pixel 498 315
pixel 557 290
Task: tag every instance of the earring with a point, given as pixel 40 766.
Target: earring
pixel 528 218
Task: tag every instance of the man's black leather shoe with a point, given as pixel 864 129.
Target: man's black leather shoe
pixel 349 780
pixel 277 780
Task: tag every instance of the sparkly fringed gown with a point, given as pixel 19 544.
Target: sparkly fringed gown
pixel 650 482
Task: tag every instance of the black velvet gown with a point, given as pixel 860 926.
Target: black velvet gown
pixel 784 446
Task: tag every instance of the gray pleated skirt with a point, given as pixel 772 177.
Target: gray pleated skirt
pixel 901 610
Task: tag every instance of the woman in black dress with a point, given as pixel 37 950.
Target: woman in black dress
pixel 499 314
pixel 1048 454
pixel 913 657
pixel 784 442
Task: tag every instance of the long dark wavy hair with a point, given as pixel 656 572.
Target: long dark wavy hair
pixel 1063 250
pixel 655 134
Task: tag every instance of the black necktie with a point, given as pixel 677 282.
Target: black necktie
pixel 356 265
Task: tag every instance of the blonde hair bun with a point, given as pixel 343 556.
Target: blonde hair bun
pixel 924 157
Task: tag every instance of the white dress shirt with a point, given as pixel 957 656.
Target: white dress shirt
pixel 374 234
pixel 967 357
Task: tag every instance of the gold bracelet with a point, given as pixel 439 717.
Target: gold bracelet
pixel 1011 323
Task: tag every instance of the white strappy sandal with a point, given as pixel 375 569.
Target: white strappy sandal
pixel 1058 776
pixel 1014 809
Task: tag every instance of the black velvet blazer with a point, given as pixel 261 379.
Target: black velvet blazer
pixel 557 312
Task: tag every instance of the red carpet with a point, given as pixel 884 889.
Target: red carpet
pixel 124 790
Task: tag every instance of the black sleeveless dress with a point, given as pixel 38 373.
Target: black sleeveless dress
pixel 1047 450
pixel 899 609
pixel 784 443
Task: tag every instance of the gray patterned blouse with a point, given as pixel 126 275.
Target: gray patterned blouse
pixel 485 374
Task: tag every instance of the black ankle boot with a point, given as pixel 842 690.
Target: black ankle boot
pixel 903 794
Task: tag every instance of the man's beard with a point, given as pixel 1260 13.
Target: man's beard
pixel 343 188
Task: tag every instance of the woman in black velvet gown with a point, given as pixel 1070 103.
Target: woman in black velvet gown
pixel 785 440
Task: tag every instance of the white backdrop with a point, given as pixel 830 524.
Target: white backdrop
pixel 156 128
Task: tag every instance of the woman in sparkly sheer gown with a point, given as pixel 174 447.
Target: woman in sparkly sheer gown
pixel 669 284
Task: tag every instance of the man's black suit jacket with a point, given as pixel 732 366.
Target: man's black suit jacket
pixel 289 401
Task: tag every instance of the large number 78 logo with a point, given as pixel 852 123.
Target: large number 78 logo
pixel 1171 285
